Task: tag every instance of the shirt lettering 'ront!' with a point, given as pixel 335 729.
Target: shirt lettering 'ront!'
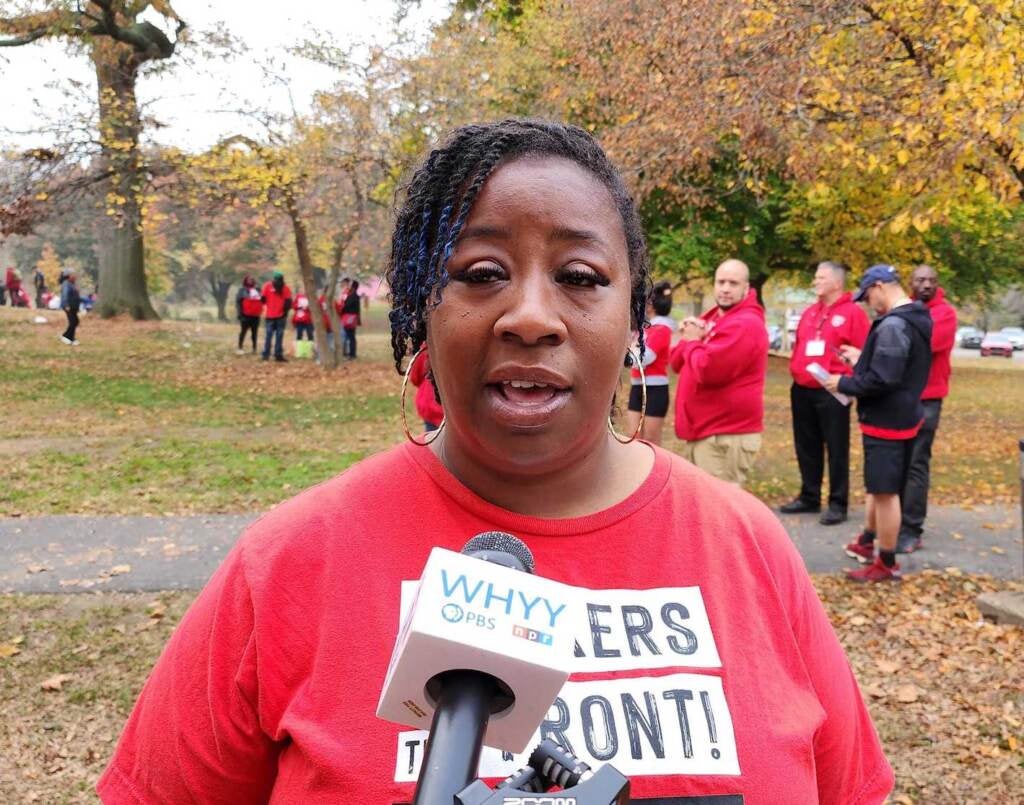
pixel 677 724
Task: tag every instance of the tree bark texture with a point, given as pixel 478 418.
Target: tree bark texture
pixel 122 279
pixel 219 288
pixel 306 269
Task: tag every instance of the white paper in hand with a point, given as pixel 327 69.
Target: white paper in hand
pixel 820 373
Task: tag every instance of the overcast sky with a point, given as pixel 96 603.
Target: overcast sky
pixel 194 104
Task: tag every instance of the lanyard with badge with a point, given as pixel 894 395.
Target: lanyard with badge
pixel 815 348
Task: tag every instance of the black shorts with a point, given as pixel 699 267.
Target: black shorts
pixel 885 465
pixel 657 399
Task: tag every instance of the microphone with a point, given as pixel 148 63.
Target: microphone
pixel 481 639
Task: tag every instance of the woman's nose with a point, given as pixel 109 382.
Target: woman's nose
pixel 532 315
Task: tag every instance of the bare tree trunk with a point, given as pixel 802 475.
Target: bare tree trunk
pixel 219 288
pixel 306 269
pixel 333 359
pixel 122 279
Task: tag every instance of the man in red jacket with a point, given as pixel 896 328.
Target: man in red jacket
pixel 722 360
pixel 924 285
pixel 820 421
pixel 277 297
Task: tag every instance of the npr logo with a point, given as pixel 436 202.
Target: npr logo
pixel 533 635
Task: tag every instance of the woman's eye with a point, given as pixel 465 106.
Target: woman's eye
pixel 581 276
pixel 480 273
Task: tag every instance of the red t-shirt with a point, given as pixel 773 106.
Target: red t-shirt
pixel 275 300
pixel 943 341
pixel 722 375
pixel 709 666
pixel 842 322
pixel 302 313
pixel 657 342
pixel 252 305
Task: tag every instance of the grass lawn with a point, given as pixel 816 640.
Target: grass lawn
pixel 165 418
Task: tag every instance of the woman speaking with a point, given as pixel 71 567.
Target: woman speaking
pixel 709 668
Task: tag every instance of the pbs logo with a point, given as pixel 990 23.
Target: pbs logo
pixel 452 613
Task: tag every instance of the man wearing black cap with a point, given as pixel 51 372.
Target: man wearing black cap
pixel 888 378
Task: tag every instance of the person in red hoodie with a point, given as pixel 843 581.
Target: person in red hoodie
pixel 819 420
pixel 427 406
pixel 924 286
pixel 722 360
pixel 277 297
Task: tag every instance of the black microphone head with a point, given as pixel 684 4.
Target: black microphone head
pixel 500 548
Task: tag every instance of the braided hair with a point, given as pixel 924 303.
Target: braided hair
pixel 441 193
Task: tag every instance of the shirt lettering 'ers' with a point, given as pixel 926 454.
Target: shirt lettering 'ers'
pixel 705 668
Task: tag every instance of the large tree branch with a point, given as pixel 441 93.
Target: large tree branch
pixel 24 39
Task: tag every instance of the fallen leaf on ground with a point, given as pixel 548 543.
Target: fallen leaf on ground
pixel 887 666
pixel 36 569
pixel 997 549
pixel 8 650
pixel 119 570
pixel 907 693
pixel 55 682
pixel 876 691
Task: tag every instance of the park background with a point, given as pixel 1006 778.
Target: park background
pixel 777 132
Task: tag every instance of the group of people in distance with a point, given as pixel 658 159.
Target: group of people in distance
pixel 275 300
pixel 897 369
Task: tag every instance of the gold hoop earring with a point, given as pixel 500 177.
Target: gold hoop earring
pixel 427 438
pixel 633 356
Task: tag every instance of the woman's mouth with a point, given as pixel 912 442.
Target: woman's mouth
pixel 526 403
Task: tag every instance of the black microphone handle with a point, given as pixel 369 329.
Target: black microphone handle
pixel 456 736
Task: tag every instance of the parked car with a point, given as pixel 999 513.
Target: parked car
pixel 971 338
pixel 1016 336
pixel 996 344
pixel 774 336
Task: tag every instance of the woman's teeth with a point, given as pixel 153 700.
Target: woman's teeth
pixel 525 384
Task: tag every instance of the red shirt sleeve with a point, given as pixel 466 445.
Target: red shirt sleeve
pixel 849 763
pixel 943 328
pixel 195 734
pixel 677 356
pixel 713 361
pixel 857 332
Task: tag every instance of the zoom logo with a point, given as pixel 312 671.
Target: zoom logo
pixel 452 613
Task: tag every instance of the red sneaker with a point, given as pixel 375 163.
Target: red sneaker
pixel 864 554
pixel 874 572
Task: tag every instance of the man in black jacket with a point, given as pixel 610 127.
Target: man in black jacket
pixel 888 378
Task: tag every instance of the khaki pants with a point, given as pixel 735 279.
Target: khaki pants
pixel 728 456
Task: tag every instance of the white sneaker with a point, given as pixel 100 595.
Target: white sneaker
pixel 75 343
pixel 239 351
pixel 66 340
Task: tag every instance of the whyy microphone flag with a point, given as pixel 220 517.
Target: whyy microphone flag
pixel 480 616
